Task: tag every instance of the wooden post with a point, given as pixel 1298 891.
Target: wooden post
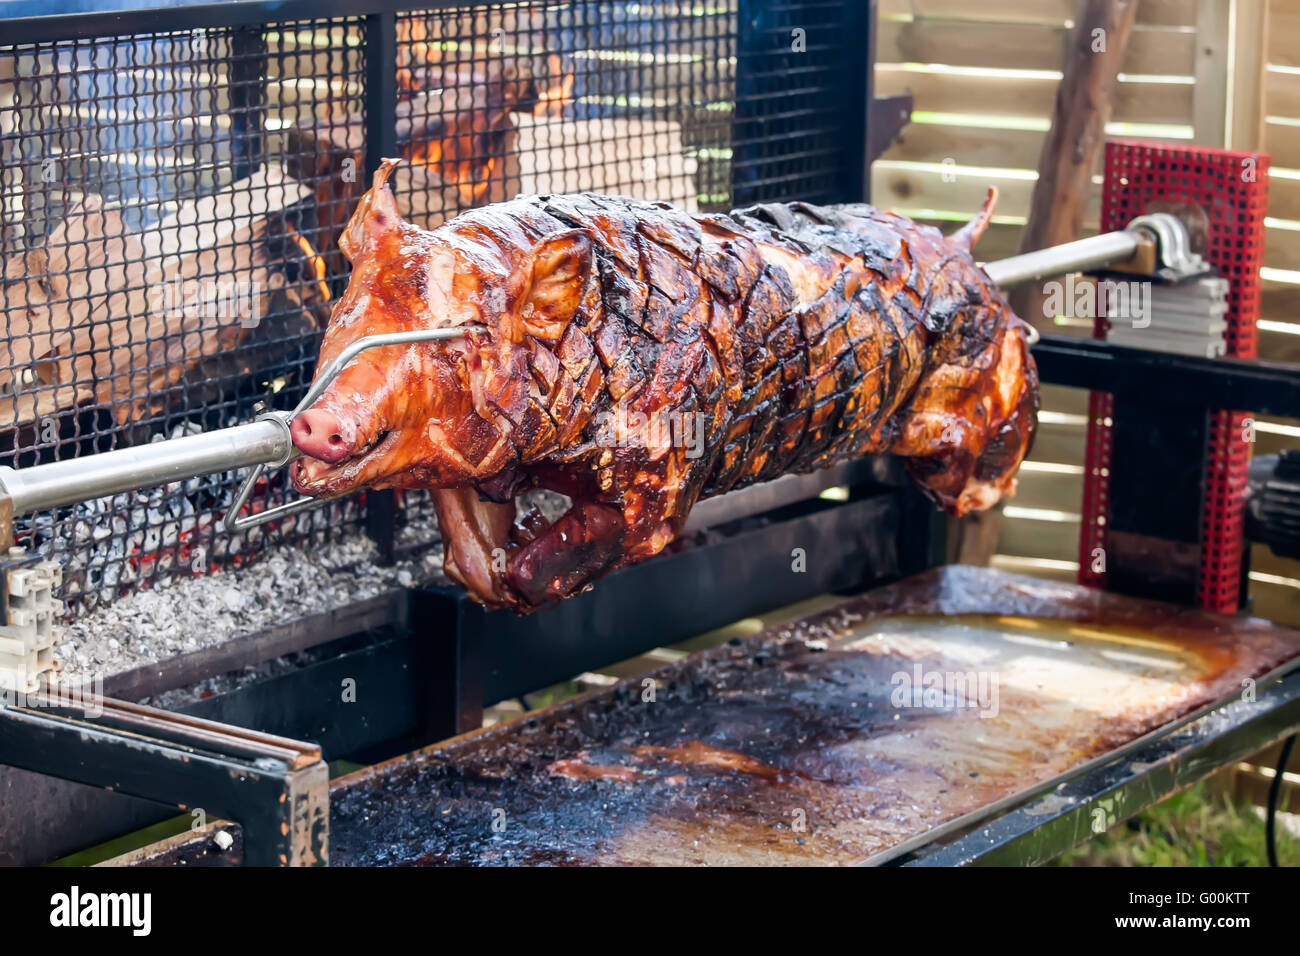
pixel 1245 121
pixel 1210 95
pixel 1070 153
pixel 1231 56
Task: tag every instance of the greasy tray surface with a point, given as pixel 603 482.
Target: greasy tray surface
pixel 791 747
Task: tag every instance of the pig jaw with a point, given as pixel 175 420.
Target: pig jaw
pixel 409 416
pixel 410 455
pixel 422 429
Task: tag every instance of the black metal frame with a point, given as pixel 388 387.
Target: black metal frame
pixel 1269 388
pixel 426 662
pixel 1162 409
pixel 277 789
pixel 439 658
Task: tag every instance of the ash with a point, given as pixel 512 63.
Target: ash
pixel 178 698
pixel 180 615
pixel 183 615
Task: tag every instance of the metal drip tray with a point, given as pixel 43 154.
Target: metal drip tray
pixel 848 737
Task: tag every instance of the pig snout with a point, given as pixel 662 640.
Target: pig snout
pixel 318 433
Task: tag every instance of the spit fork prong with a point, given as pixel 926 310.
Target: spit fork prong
pixel 232 521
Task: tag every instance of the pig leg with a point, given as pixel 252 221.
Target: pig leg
pixel 562 559
pixel 475 541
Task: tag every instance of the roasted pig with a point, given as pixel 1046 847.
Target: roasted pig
pixel 637 358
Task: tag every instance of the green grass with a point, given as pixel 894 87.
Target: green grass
pixel 1198 827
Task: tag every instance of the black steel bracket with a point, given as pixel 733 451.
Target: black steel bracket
pixel 277 789
pixel 1162 405
pixel 888 116
pixel 1269 388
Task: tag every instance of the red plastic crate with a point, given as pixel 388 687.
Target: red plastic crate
pixel 1232 188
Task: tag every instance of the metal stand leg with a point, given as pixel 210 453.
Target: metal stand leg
pixel 277 789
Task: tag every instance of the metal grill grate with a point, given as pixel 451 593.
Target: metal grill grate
pixel 166 267
pixel 172 200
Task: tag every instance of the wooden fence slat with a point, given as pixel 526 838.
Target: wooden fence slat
pixel 1284 33
pixel 990 147
pixel 901 189
pixel 1283 198
pixel 1279 347
pixel 1029 97
pixel 1213 50
pixel 1017 564
pixel 1275 603
pixel 1058 444
pixel 1280 300
pixel 1282 95
pixel 1056 540
pixel 969 145
pixel 1000 240
pixel 1249 35
pixel 1059 398
pixel 1282 141
pixel 1028 46
pixel 1051 490
pixel 1264 561
pixel 1271 443
pixel 1282 248
pixel 1164 13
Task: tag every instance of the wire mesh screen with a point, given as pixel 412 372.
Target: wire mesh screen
pixel 707 106
pixel 167 265
pixel 495 100
pixel 172 203
pixel 799 82
pixel 621 97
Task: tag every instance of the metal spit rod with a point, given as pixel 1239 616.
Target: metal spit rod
pixel 1078 256
pixel 266 442
pixel 144 466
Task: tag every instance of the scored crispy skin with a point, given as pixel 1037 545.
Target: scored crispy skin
pixel 639 358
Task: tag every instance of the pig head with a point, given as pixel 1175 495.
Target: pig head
pixel 462 417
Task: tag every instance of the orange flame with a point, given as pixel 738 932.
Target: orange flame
pixel 314 260
pixel 552 100
pixel 467 151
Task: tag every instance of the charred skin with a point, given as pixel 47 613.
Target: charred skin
pixel 638 358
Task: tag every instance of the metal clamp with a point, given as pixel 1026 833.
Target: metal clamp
pixel 1173 245
pixel 28 629
pixel 232 521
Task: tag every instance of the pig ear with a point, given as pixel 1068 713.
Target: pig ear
pixel 970 233
pixel 561 268
pixel 376 215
